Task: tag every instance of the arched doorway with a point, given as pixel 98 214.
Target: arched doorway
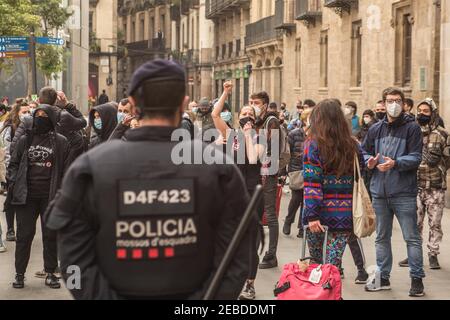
pixel 93 82
pixel 278 80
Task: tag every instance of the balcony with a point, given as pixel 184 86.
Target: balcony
pixel 308 11
pixel 188 4
pixel 219 8
pixel 139 48
pixel 340 6
pixel 261 31
pixel 284 19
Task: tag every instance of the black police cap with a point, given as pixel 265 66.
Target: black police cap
pixel 156 71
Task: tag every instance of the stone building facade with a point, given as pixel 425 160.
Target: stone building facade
pixel 230 60
pixel 103 48
pixel 353 49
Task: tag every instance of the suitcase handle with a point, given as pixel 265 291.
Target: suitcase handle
pixel 324 248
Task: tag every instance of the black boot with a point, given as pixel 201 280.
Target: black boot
pixel 52 281
pixel 434 263
pixel 287 228
pixel 19 283
pixel 269 261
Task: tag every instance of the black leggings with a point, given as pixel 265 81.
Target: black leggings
pixel 27 216
pixel 9 213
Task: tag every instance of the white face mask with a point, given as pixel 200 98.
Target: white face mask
pixel 257 111
pixel 367 120
pixel 394 109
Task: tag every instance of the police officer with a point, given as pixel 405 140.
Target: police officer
pixel 140 226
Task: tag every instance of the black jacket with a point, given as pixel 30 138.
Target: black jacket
pixel 296 139
pixel 108 114
pixel 70 124
pixel 95 206
pixel 18 166
pixel 24 127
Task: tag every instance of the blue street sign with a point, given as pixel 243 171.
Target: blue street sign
pixel 14 47
pixel 50 41
pixel 13 40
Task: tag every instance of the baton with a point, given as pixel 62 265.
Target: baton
pixel 229 254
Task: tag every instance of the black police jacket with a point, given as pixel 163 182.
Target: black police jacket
pixel 139 226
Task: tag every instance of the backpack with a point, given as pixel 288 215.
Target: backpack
pixel 285 150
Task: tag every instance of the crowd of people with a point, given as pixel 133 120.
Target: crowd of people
pixel 403 155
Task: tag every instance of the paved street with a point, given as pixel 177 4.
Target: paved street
pixel 437 283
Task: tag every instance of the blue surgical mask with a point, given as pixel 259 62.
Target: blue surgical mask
pixel 98 124
pixel 226 116
pixel 194 110
pixel 120 116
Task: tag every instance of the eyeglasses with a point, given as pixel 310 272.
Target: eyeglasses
pixel 390 101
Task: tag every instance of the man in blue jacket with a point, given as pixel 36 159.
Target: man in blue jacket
pixel 393 150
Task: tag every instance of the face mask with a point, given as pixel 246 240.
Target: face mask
pixel 32 110
pixel 348 111
pixel 394 109
pixel 24 117
pixel 120 116
pixel 244 121
pixel 257 111
pixel 367 120
pixel 98 124
pixel 226 116
pixel 195 110
pixel 42 125
pixel 380 115
pixel 423 120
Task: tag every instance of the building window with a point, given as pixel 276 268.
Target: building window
pixel 403 43
pixel 91 21
pixel 324 59
pixel 217 52
pixel 133 32
pixel 224 49
pixel 230 49
pixel 298 62
pixel 125 32
pixel 356 54
pixel 152 33
pixel 163 25
pixel 142 28
pixel 238 47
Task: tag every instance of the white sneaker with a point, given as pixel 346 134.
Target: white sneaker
pixel 2 247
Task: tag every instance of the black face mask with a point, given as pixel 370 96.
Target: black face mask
pixel 42 125
pixel 380 115
pixel 244 121
pixel 423 120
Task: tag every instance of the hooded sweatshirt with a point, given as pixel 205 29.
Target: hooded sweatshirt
pixel 432 170
pixel 401 141
pixel 108 114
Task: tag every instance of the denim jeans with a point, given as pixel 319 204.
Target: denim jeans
pixel 405 209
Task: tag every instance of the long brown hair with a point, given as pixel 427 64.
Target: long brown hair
pixel 331 131
pixel 13 118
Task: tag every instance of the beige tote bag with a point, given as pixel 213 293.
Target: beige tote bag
pixel 364 219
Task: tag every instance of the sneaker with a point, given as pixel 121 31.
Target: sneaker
pixel 362 277
pixel 52 281
pixel 269 261
pixel 11 235
pixel 377 284
pixel 434 263
pixel 58 272
pixel 41 274
pixel 404 263
pixel 248 293
pixel 417 288
pixel 2 247
pixel 287 229
pixel 19 283
pixel 300 234
pixel 341 271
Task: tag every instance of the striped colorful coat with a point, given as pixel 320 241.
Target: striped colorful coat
pixel 327 198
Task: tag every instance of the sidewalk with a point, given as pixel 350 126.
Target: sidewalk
pixel 437 283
